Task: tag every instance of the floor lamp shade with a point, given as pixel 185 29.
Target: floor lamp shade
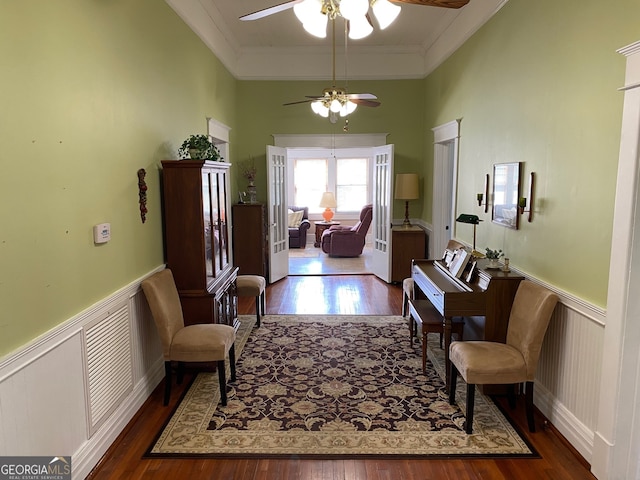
pixel 406 189
pixel 328 201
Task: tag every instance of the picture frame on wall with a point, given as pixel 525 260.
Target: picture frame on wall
pixel 506 192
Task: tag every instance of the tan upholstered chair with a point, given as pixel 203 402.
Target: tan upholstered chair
pixel 195 343
pixel 513 362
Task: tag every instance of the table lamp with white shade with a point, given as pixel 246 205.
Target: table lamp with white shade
pixel 406 189
pixel 328 202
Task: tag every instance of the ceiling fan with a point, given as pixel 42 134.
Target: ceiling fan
pixel 314 14
pixel 336 101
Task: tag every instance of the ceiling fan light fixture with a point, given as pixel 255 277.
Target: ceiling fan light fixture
pixel 318 26
pixel 320 108
pixel 352 9
pixel 335 105
pixel 348 108
pixel 306 9
pixel 359 28
pixel 385 12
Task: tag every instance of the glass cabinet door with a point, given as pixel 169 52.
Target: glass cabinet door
pixel 207 212
pixel 223 224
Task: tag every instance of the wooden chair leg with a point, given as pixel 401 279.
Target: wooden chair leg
pixel 511 395
pixel 453 377
pixel 412 332
pixel 232 362
pixel 405 303
pixel 528 396
pixel 263 302
pixel 223 382
pixel 471 393
pixel 258 310
pixel 167 382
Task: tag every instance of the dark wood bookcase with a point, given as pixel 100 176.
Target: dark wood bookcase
pixel 195 198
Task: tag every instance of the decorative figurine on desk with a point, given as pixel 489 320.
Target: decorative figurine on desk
pixel 505 267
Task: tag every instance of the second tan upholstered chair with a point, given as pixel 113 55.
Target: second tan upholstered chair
pixel 513 362
pixel 208 342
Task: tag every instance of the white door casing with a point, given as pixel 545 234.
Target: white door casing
pixel 382 211
pixel 277 213
pixel 445 160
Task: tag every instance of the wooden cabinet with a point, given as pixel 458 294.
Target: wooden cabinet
pixel 250 243
pixel 406 244
pixel 195 198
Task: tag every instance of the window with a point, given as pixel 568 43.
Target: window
pixel 351 184
pixel 346 174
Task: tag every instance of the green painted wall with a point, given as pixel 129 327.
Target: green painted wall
pixel 93 91
pixel 90 91
pixel 538 84
pixel 261 114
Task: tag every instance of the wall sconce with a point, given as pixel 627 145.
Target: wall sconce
pixel 522 201
pixel 485 195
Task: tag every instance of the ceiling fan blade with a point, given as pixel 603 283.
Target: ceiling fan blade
pixel 296 103
pixel 435 3
pixel 365 103
pixel 265 12
pixel 362 96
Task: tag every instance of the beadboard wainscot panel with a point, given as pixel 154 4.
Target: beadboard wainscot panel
pixel 569 372
pixel 44 408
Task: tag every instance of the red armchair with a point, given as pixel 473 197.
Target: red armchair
pixel 342 241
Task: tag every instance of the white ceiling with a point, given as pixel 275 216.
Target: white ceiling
pixel 277 47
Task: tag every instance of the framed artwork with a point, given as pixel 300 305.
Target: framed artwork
pixel 506 192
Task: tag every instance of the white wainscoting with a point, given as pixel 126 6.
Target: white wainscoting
pixel 47 404
pixel 569 372
pixel 45 400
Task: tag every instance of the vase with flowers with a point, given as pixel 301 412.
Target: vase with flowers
pixel 248 170
pixel 493 256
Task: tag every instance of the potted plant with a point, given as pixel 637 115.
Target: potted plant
pixel 493 256
pixel 199 147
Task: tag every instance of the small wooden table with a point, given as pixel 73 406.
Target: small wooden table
pixel 321 227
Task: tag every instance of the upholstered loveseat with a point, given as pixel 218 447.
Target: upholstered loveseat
pixel 298 228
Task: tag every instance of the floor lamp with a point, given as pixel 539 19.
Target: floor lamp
pixel 406 189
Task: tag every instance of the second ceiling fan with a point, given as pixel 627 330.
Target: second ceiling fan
pixel 336 101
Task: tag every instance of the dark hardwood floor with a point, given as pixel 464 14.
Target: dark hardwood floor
pixel 345 294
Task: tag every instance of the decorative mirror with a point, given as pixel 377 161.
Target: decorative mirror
pixel 506 192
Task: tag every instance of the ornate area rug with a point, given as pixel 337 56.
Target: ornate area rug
pixel 333 386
